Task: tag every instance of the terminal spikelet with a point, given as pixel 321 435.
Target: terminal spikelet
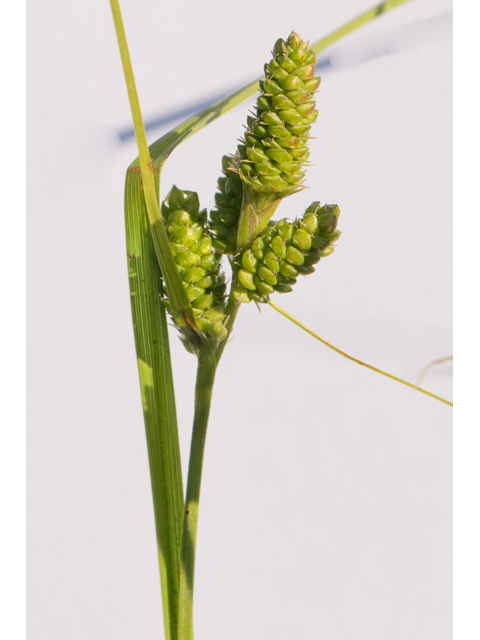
pixel 283 251
pixel 275 148
pixel 269 162
pixel 228 202
pixel 197 261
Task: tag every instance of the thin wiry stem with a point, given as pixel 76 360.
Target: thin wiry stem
pixel 346 355
pixel 427 368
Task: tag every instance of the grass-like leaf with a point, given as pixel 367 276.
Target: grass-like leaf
pixel 156 382
pixel 147 249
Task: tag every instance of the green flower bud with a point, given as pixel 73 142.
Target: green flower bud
pixel 246 279
pixel 286 62
pixel 294 256
pixel 302 240
pixel 278 246
pixel 203 302
pixel 288 270
pixel 272 262
pixel 282 102
pixel 197 261
pixel 258 248
pixel 319 243
pixel 249 261
pixel 240 294
pixel 267 275
pixel 283 251
pixel 262 288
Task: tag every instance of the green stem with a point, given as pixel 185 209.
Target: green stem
pixel 207 366
pixel 346 355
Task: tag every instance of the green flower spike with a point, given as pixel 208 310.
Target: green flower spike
pixel 270 158
pixel 283 251
pixel 275 147
pixel 197 262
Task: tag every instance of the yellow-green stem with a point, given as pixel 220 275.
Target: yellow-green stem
pixel 207 365
pixel 346 355
pixel 177 295
pixel 208 360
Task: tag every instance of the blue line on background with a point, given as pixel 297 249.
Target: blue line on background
pixel 393 40
pixel 192 109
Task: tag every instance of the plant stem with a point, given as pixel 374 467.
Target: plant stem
pixel 429 366
pixel 207 366
pixel 208 360
pixel 346 355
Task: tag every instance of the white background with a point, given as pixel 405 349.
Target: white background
pixel 326 498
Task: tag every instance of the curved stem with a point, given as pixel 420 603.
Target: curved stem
pixel 346 355
pixel 429 366
pixel 207 365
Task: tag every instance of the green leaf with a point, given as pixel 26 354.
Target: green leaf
pixel 158 399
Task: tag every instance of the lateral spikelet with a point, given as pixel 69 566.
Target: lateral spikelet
pixel 228 202
pixel 283 251
pixel 275 148
pixel 197 261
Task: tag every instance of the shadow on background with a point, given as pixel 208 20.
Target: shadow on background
pixel 345 55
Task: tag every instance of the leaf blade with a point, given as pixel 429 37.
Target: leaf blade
pixel 158 399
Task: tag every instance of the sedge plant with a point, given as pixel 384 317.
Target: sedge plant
pixel 176 252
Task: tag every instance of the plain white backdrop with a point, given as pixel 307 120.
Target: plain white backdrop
pixel 326 498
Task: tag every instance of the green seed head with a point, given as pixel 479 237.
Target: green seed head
pixel 269 162
pixel 285 111
pixel 283 251
pixel 198 262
